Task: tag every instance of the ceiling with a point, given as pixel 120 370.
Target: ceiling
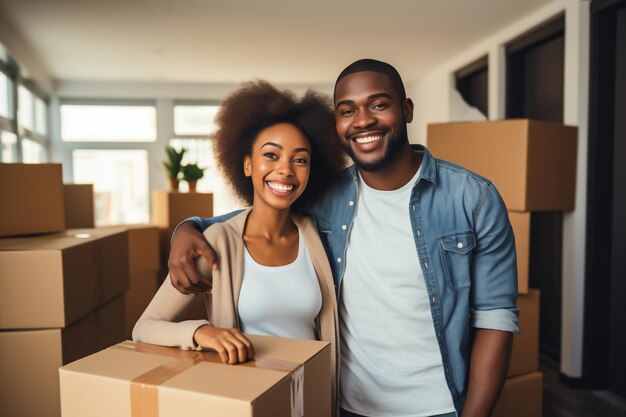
pixel 230 41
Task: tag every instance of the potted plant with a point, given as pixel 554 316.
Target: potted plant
pixel 173 166
pixel 192 173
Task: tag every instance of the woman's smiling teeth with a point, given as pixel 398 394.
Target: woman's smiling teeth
pixel 277 186
pixel 368 139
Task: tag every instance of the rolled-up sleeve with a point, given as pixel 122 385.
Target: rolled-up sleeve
pixel 494 267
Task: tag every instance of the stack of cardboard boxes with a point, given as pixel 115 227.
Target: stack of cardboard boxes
pixel 533 166
pixel 61 290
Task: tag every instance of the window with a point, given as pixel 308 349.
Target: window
pixel 194 120
pixel 26 110
pixel 33 152
pixel 23 114
pixel 108 123
pixel 9 146
pixel 5 96
pixel 120 180
pixel 40 116
pixel 193 127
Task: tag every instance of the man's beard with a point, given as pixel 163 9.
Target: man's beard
pixel 393 147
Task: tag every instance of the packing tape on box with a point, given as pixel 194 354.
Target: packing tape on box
pixel 144 393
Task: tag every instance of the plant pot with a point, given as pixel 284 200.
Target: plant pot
pixel 192 185
pixel 173 184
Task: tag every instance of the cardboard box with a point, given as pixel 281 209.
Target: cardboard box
pixel 170 208
pixel 31 199
pixel 172 382
pixel 79 209
pixel 520 222
pixel 51 281
pixel 525 354
pixel 143 286
pixel 522 396
pixel 143 248
pixel 30 359
pixel 532 163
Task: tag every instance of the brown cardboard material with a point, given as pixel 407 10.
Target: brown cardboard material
pixel 170 208
pixel 520 222
pixel 143 286
pixel 51 281
pixel 31 199
pixel 531 163
pixel 30 359
pixel 525 354
pixel 522 396
pixel 143 248
pixel 79 208
pixel 100 385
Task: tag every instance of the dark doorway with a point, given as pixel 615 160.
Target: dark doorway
pixel 604 361
pixel 472 82
pixel 534 89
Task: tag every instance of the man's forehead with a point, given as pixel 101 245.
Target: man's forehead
pixel 363 84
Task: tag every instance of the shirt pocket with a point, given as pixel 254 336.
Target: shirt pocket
pixel 456 257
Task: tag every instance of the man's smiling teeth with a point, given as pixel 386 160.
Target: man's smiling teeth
pixel 367 139
pixel 280 187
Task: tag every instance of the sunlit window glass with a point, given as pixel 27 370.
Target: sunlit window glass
pixel 199 151
pixel 194 120
pixel 120 179
pixel 9 146
pixel 106 123
pixel 33 152
pixel 40 116
pixel 5 97
pixel 25 115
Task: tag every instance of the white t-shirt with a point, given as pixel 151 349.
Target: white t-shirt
pixel 390 360
pixel 280 300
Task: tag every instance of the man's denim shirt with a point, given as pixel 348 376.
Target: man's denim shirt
pixel 466 249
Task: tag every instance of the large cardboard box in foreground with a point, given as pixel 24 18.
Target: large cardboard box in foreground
pixel 31 199
pixel 30 359
pixel 525 354
pixel 131 377
pixel 532 163
pixel 51 281
pixel 520 222
pixel 522 396
pixel 79 208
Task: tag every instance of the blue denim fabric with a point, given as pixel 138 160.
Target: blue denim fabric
pixel 466 249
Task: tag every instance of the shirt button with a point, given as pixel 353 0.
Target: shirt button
pixel 426 265
pixel 350 203
pixel 418 232
pixel 339 260
pixel 434 299
pixel 459 245
pixel 344 227
pixel 412 206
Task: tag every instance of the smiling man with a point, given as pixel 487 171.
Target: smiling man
pixel 423 258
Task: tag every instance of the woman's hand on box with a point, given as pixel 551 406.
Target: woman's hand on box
pixel 232 345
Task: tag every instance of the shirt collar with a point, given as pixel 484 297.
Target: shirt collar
pixel 428 169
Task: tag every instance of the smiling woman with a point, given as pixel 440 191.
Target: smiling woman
pixel 274 278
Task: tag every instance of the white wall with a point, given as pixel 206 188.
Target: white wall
pixel 432 92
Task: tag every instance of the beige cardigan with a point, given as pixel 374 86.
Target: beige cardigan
pixel 157 325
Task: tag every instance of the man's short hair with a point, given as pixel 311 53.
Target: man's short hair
pixel 368 64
